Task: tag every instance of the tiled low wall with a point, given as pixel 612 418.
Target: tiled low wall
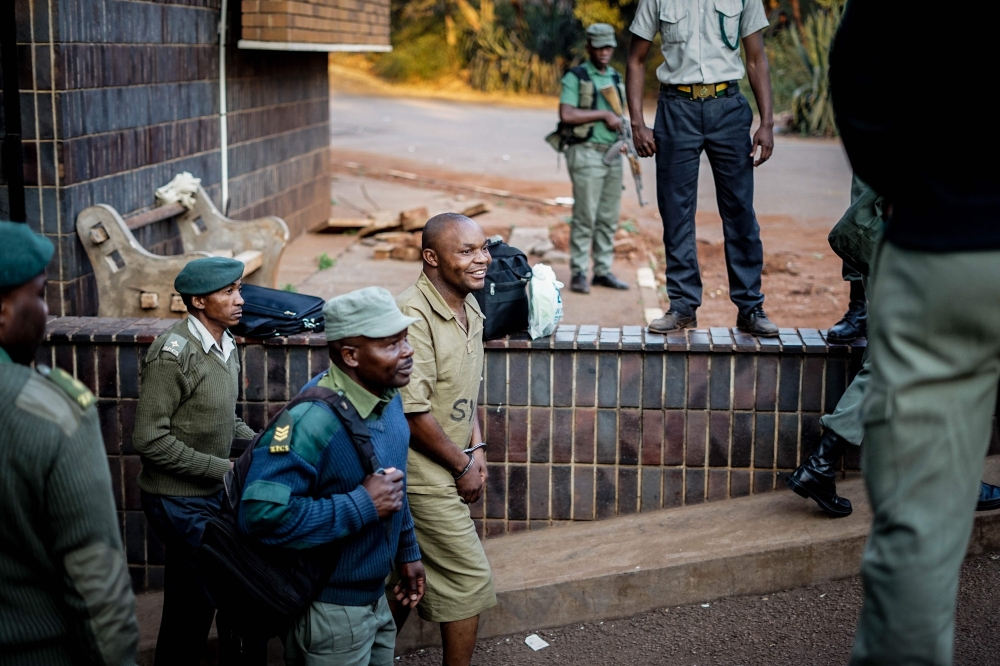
pixel 585 425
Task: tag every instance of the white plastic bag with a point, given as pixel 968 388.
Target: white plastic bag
pixel 544 301
pixel 182 188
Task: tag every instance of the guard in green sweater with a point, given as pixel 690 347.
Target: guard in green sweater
pixel 185 425
pixel 65 594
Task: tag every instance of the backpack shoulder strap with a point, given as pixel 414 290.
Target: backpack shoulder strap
pixel 359 433
pixel 580 72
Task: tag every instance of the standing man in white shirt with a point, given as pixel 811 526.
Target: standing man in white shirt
pixel 700 108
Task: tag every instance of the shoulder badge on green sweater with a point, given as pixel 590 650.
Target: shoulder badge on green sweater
pixel 174 345
pixel 281 441
pixel 70 385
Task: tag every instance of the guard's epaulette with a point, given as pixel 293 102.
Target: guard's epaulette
pixel 69 385
pixel 281 440
pixel 174 345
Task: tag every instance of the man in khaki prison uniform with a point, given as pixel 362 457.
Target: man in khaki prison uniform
pixel 447 466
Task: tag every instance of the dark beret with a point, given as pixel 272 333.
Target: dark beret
pixel 23 253
pixel 206 275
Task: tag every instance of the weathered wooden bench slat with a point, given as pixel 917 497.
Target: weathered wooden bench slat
pixel 157 214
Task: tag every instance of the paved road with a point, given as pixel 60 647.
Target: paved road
pixel 806 179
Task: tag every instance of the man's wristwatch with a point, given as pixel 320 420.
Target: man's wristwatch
pixel 469 451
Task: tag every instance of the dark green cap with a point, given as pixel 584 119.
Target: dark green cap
pixel 204 276
pixel 23 253
pixel 600 35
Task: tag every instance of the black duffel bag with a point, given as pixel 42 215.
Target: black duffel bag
pixel 261 588
pixel 504 297
pixel 271 312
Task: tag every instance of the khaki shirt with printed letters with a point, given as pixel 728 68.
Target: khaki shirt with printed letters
pixel 694 46
pixel 447 373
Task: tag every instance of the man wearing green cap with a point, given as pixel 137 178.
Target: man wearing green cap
pixel 65 592
pixel 312 489
pixel 185 424
pixel 597 187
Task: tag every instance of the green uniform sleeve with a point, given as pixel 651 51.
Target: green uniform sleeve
pixel 243 431
pixel 417 394
pixel 570 90
pixel 81 518
pixel 163 388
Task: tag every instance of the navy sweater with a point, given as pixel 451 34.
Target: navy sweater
pixel 312 495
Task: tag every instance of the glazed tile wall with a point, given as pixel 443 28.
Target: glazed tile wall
pixel 118 96
pixel 586 425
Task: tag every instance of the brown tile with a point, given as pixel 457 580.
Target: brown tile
pixel 496 434
pixel 518 378
pixel 111 431
pixel 496 491
pixel 743 381
pixel 628 437
pixel 836 382
pixel 517 526
pixel 562 492
pixel 719 389
pixel 586 380
pixel 763 482
pixel 697 433
pixel 673 487
pixel 130 471
pixel 517 492
pixel 788 441
pixel 739 483
pixel 562 435
pixel 812 383
pixel 480 527
pixel 107 371
pixel 583 492
pixel 651 493
pixel 742 439
pixel 630 391
pixel 583 438
pixel 652 436
pixel 628 490
pixel 763 440
pixel 675 391
pixel 538 500
pixel 606 492
pixel 718 485
pixel 86 370
pixel 789 385
pixel 562 378
pixel 517 435
pixel 767 382
pixel 277 374
pixel 607 381
pixel 495 528
pixel 674 428
pixel 652 380
pixel 541 378
pixel 540 437
pixel 718 439
pixel 697 381
pixel 694 487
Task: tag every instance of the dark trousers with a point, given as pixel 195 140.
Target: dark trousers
pixel 720 127
pixel 188 610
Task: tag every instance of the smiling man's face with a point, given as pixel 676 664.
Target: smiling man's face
pixel 462 256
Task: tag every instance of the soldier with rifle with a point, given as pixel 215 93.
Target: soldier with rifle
pixel 589 131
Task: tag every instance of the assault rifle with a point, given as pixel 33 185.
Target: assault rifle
pixel 610 94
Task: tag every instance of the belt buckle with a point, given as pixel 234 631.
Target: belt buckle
pixel 704 91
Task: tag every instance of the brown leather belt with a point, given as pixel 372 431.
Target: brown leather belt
pixel 701 90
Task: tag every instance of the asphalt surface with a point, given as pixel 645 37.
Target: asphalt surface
pixel 813 625
pixel 808 179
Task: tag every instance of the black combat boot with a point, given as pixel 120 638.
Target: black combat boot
pixel 814 479
pixel 854 323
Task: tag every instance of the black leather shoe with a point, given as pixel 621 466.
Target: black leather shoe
pixel 757 323
pixel 610 281
pixel 989 497
pixel 579 284
pixel 673 321
pixel 853 325
pixel 815 478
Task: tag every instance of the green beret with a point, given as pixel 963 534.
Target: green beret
pixel 371 312
pixel 23 254
pixel 600 35
pixel 207 275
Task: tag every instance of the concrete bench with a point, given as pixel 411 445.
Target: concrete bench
pixel 133 282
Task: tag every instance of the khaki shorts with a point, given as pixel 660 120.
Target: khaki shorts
pixel 459 579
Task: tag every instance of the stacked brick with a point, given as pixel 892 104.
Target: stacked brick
pixel 329 22
pixel 586 425
pixel 118 97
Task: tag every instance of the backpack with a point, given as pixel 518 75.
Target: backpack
pixel 567 135
pixel 268 313
pixel 264 588
pixel 504 297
